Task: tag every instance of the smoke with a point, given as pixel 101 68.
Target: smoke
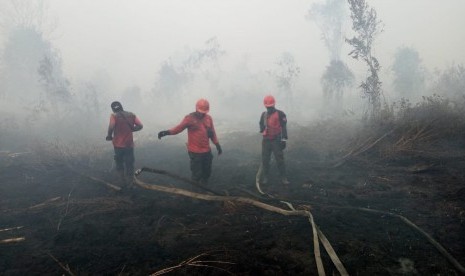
pixel 409 74
pixel 331 18
pixel 38 100
pixel 234 90
pixel 231 53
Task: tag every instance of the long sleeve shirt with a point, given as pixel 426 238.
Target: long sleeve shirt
pixel 198 129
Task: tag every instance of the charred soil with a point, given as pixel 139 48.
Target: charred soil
pixel 67 222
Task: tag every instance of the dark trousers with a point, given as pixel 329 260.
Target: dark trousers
pixel 124 159
pixel 201 166
pixel 273 147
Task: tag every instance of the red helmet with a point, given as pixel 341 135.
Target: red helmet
pixel 202 106
pixel 269 101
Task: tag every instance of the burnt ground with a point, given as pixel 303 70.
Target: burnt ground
pixel 74 224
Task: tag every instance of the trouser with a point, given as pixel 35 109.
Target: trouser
pixel 124 159
pixel 273 147
pixel 201 166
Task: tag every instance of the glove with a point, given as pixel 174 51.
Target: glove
pixel 283 145
pixel 163 133
pixel 137 128
pixel 108 138
pixel 219 149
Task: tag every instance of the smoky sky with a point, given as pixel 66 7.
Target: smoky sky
pixel 129 41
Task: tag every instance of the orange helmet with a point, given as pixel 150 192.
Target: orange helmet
pixel 202 106
pixel 269 101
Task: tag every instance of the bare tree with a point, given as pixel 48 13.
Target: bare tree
pixel 330 17
pixel 335 79
pixel 285 74
pixel 27 14
pixel 32 67
pixel 52 79
pixel 132 97
pixel 450 82
pixel 175 75
pixel 409 74
pixel 366 25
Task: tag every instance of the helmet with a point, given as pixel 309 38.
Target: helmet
pixel 269 101
pixel 202 106
pixel 116 106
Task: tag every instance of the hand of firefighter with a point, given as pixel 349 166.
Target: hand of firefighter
pixel 283 144
pixel 163 133
pixel 109 138
pixel 219 149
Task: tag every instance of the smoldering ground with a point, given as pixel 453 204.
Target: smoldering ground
pixel 362 178
pixel 70 219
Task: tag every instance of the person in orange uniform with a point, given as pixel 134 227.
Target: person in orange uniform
pixel 122 125
pixel 200 130
pixel 273 126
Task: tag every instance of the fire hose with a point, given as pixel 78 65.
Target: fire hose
pixel 317 234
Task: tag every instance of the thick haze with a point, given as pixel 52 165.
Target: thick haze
pixel 130 39
pixel 119 47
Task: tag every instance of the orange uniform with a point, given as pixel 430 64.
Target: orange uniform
pixel 199 132
pixel 273 126
pixel 122 123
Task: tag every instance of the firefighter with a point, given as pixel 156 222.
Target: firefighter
pixel 274 130
pixel 122 125
pixel 200 130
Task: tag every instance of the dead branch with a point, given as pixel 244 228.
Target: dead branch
pixel 357 148
pixel 12 240
pixel 361 150
pixel 229 207
pixel 45 203
pixel 66 210
pixel 122 269
pixel 87 207
pixel 16 154
pixel 414 135
pixel 159 222
pixel 12 228
pixel 64 267
pixel 194 262
pixel 108 184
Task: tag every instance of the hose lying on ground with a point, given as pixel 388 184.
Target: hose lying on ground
pixel 183 192
pixel 436 244
pixel 293 212
pixel 317 234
